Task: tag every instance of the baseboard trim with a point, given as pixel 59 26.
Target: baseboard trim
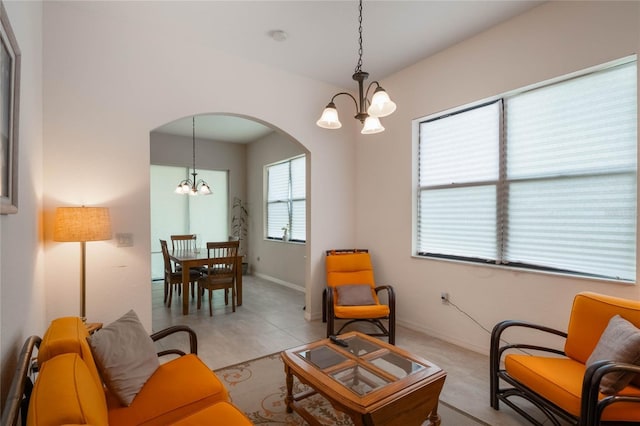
pixel 444 337
pixel 280 282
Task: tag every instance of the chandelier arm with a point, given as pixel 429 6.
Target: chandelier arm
pixel 349 95
pixel 366 96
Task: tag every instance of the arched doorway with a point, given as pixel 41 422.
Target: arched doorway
pixel 241 148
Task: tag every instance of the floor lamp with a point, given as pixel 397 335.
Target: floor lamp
pixel 82 224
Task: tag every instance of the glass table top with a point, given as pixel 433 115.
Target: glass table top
pixel 323 357
pixel 360 347
pixel 367 365
pixel 359 379
pixel 396 365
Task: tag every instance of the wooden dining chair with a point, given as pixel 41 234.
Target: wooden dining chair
pixel 173 278
pixel 220 273
pixel 185 242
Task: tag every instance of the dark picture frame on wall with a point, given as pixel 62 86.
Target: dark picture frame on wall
pixel 9 114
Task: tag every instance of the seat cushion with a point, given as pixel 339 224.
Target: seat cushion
pixel 65 393
pixel 559 380
pixel 179 387
pixel 221 413
pixel 361 312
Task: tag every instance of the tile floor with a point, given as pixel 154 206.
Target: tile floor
pixel 271 319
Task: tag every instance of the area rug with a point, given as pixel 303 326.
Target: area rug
pixel 258 388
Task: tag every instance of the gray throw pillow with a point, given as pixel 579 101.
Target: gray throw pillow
pixel 125 355
pixel 355 295
pixel 620 342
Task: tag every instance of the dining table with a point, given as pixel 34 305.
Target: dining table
pixel 196 258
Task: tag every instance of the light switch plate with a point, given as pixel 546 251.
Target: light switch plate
pixel 124 239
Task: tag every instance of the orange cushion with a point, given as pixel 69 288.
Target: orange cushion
pixel 590 315
pixel 221 413
pixel 177 388
pixel 65 393
pixel 560 380
pixel 365 311
pixel 68 335
pixel 351 268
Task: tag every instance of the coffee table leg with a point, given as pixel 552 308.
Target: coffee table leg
pixel 289 398
pixel 434 417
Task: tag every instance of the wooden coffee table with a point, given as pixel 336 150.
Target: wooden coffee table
pixel 373 382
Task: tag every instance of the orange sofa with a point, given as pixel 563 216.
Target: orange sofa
pixel 69 390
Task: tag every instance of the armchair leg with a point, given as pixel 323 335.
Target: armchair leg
pixel 330 330
pixel 324 305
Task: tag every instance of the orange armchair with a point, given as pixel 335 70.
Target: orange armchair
pixel 568 384
pixel 352 295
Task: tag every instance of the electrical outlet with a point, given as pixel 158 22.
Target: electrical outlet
pixel 444 297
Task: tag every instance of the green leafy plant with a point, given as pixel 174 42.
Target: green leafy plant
pixel 240 223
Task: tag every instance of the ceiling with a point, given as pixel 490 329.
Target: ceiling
pixel 322 38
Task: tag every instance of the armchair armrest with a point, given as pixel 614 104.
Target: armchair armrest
pixel 193 339
pixel 390 294
pixel 17 401
pixel 591 407
pixel 496 350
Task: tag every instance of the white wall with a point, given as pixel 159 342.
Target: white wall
pixel 110 77
pixel 549 41
pixel 275 260
pixel 21 258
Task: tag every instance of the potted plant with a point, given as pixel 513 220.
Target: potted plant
pixel 239 224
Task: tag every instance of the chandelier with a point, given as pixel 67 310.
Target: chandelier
pixel 380 104
pixel 194 186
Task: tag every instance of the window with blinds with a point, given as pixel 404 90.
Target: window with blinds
pixel 542 179
pixel 286 200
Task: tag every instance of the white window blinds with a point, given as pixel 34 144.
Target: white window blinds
pixel 458 175
pixel 286 200
pixel 571 172
pixel 544 179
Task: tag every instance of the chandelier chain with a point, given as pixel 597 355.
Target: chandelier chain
pixel 359 64
pixel 193 132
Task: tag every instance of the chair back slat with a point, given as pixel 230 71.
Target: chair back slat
pixel 222 259
pixel 183 242
pixel 590 316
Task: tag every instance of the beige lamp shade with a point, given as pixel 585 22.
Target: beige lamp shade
pixel 82 224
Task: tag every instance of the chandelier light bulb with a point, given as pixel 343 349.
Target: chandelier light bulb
pixel 381 104
pixel 371 125
pixel 204 189
pixel 329 118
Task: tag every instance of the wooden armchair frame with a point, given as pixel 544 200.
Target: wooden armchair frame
pixel 592 406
